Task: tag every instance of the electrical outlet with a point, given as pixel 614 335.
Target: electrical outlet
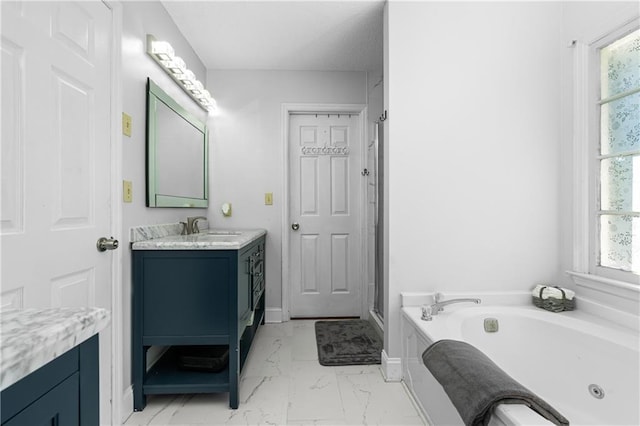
pixel 126 124
pixel 268 199
pixel 127 191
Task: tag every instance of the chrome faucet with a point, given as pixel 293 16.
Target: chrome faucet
pixel 192 224
pixel 429 311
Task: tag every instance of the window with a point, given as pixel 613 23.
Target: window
pixel 617 209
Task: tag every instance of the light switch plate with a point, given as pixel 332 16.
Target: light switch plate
pixel 268 199
pixel 127 191
pixel 126 124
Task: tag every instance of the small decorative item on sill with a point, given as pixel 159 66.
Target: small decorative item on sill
pixel 552 303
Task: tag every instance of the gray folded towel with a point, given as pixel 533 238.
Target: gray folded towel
pixel 476 385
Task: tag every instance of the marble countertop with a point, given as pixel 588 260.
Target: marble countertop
pixel 30 338
pixel 209 239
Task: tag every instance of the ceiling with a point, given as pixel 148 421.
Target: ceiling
pixel 283 35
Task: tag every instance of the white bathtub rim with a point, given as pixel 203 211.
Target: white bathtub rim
pixel 505 298
pixel 608 313
pixel 516 414
pixel 584 305
pixel 447 324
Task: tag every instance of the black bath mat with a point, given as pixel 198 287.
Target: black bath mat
pixel 347 342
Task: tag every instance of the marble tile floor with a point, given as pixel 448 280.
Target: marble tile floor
pixel 283 384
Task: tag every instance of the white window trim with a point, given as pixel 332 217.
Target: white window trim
pixel 586 119
pixel 606 285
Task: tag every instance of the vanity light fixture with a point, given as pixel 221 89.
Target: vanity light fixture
pixel 165 56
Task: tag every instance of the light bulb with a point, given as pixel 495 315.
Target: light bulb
pixel 162 50
pixel 188 77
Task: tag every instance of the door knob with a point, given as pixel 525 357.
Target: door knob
pixel 105 244
pixel 295 226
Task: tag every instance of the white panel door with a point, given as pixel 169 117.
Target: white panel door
pixel 324 193
pixel 56 80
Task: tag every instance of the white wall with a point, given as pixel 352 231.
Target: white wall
pixel 473 135
pixel 140 19
pixel 246 148
pixel 585 22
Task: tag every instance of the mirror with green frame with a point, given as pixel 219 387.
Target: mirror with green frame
pixel 177 153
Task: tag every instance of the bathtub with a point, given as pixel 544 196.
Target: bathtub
pixel 584 366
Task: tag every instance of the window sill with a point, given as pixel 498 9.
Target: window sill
pixel 606 285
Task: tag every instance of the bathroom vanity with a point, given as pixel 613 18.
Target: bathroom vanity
pixel 49 366
pixel 199 290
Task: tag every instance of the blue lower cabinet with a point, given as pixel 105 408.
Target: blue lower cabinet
pixel 63 392
pixel 189 298
pixel 53 408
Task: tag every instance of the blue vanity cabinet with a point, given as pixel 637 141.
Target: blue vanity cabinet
pixel 63 392
pixel 192 297
pixel 244 289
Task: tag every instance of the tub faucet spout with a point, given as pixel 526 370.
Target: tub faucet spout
pixel 429 311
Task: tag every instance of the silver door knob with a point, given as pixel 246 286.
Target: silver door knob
pixel 295 226
pixel 105 244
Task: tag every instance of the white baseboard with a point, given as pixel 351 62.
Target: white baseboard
pixel 273 315
pixel 391 368
pixel 126 404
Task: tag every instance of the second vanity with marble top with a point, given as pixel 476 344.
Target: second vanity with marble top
pixel 49 366
pixel 197 291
